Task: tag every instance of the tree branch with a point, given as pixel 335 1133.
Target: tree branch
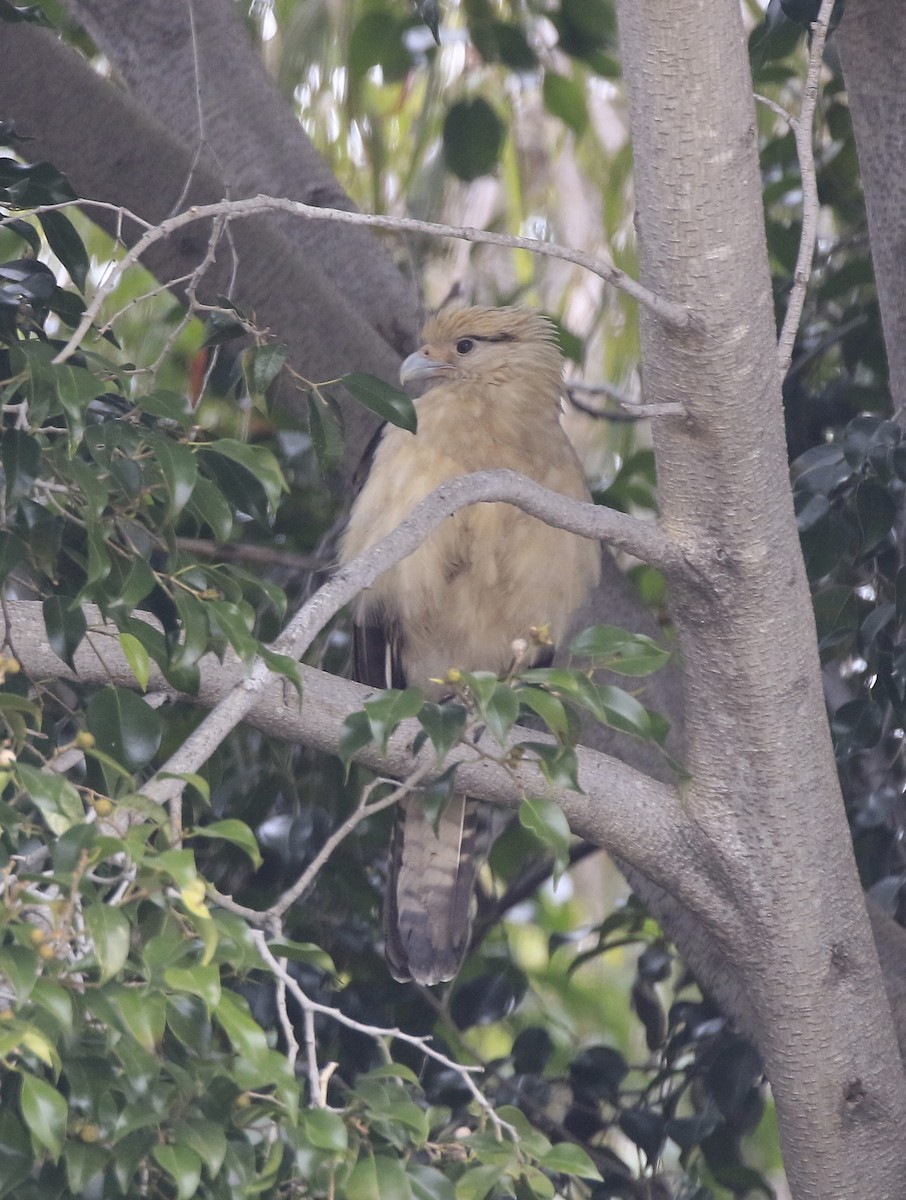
pixel 673 315
pixel 803 132
pixel 644 540
pixel 620 808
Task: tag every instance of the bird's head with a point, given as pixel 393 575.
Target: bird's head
pixel 490 348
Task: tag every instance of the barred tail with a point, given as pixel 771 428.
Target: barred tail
pixel 431 878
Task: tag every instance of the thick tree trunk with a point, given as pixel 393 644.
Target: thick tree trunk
pixel 766 820
pixel 114 151
pixel 194 69
pixel 872 40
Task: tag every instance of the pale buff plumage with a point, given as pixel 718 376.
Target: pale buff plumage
pixel 485 578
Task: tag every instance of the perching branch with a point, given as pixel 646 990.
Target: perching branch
pixel 803 132
pixel 644 540
pixel 674 315
pixel 620 808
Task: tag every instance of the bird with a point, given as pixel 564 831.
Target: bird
pixel 483 583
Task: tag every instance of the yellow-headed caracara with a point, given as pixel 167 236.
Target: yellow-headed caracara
pixel 491 381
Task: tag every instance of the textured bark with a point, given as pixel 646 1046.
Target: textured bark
pixel 767 825
pixel 193 68
pixel 872 41
pixel 113 151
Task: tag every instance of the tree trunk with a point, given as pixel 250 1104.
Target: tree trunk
pixel 872 40
pixel 766 820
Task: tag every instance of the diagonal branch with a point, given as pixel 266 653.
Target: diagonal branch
pixel 803 133
pixel 642 539
pixel 674 315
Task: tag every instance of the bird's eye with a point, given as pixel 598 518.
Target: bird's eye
pixel 465 346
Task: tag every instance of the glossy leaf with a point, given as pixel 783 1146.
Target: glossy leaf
pixel 235 832
pixel 388 402
pixel 472 139
pixel 546 821
pixel 444 725
pixel 66 625
pixel 44 1111
pixel 137 657
pixel 67 245
pixel 183 1166
pixel 21 457
pixel 110 933
pixel 59 802
pixel 569 1159
pixel 124 727
pixel 325 429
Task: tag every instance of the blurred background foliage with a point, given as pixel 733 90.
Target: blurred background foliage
pixel 143 475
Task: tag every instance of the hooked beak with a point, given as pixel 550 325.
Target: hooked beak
pixel 419 368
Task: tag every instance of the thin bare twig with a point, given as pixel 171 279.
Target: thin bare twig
pixel 379 1033
pixel 361 813
pixel 803 132
pixel 674 315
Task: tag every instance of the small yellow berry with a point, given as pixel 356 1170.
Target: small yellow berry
pixel 85 740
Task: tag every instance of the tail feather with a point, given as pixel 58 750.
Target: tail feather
pixel 428 910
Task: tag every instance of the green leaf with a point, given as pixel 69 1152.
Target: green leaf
pixel 472 138
pixel 44 1111
pixel 326 1130
pixel 55 1000
pixel 21 457
pixel 169 406
pixel 477 1182
pixel 110 932
pixel 234 622
pixel 245 1034
pixel 57 800
pixel 283 664
pixel 569 1159
pixel 260 367
pixel 306 952
pixel 207 1139
pixel 546 706
pixel 378 1178
pixel 124 727
pixel 16 1158
pixel 545 820
pixel 482 685
pixel 565 98
pixel 19 964
pixel 257 461
pixel 144 1013
pixel 75 388
pixel 558 764
pixel 66 626
pixel 67 245
pixel 428 1183
pixel 444 725
pixel 137 657
pixel 180 471
pixel 386 711
pixel 235 832
pixel 622 711
pixel 388 402
pixel 501 711
pixel 83 1162
pixel 99 565
pixel 199 980
pixel 12 553
pixel 209 507
pixel 183 1166
pixel 325 428
pixel 623 652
